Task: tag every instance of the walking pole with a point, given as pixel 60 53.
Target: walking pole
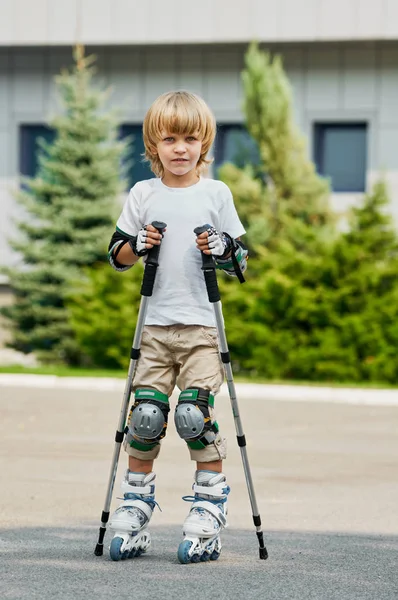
pixel 209 271
pixel 148 281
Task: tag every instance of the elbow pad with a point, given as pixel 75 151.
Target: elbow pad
pixel 118 240
pixel 236 264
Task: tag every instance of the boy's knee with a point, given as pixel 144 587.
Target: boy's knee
pixel 195 424
pixel 147 424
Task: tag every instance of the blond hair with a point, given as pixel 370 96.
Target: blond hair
pixel 181 113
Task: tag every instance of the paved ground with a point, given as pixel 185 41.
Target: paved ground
pixel 326 479
pixel 58 563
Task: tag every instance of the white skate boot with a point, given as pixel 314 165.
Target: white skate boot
pixel 206 519
pixel 130 520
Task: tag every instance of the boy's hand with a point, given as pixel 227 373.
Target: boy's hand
pixel 213 242
pixel 147 238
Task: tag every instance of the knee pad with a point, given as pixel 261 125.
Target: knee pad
pixel 192 418
pixel 147 422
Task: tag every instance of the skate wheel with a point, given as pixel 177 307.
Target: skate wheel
pixel 195 558
pixel 214 555
pixel 114 550
pixel 183 552
pixel 205 557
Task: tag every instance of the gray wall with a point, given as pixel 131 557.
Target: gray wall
pixel 57 22
pixel 330 81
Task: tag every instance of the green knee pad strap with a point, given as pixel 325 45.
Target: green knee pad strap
pixel 148 394
pixel 199 444
pixel 193 394
pixel 141 446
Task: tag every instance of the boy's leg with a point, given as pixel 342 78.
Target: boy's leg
pixel 202 370
pixel 200 380
pixel 153 384
pixel 215 465
pixel 137 465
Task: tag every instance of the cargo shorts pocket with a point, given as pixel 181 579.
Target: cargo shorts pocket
pixel 211 336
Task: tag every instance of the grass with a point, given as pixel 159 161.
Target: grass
pixel 60 371
pixel 64 371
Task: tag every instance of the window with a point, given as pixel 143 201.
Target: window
pixel 29 136
pixel 137 169
pixel 29 147
pixel 340 153
pixel 234 144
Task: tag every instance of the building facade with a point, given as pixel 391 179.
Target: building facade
pixel 341 57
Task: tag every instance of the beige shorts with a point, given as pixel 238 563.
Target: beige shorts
pixel 186 355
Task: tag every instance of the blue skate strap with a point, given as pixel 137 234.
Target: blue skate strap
pixel 197 498
pixel 151 501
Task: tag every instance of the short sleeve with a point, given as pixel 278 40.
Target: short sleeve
pixel 229 219
pixel 129 220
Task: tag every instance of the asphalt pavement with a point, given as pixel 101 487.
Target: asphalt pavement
pixel 325 475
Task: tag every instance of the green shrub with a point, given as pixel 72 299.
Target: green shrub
pixel 331 315
pixel 103 311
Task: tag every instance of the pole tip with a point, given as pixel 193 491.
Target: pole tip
pixel 263 553
pixel 99 550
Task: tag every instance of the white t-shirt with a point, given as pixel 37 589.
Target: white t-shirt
pixel 179 294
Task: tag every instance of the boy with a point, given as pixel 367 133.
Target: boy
pixel 179 340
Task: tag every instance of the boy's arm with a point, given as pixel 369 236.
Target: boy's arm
pixel 230 254
pixel 124 250
pixel 120 254
pixel 235 262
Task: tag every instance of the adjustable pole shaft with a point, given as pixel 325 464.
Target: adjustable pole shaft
pixel 148 282
pixel 213 293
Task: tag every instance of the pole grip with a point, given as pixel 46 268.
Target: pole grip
pixel 152 263
pixel 209 270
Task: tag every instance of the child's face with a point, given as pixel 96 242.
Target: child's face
pixel 179 154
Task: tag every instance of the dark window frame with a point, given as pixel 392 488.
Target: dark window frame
pixel 29 134
pixel 143 170
pixel 223 128
pixel 320 131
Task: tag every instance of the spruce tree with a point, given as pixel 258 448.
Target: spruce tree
pixel 69 214
pixel 268 108
pixel 292 200
pixel 284 206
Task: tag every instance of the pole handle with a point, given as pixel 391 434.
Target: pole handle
pixel 152 263
pixel 201 229
pixel 153 253
pixel 209 269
